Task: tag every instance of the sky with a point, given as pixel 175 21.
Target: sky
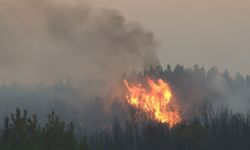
pixel 45 41
pixel 204 32
pixel 58 39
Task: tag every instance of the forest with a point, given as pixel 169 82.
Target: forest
pixel 215 112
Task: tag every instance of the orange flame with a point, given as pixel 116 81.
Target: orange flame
pixel 155 101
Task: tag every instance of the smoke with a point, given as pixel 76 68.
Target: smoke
pixel 51 40
pixel 62 55
pixel 44 41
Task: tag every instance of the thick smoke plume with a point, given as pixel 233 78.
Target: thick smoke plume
pixel 51 40
pixel 42 42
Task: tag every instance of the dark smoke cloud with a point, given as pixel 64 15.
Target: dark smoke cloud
pixel 51 40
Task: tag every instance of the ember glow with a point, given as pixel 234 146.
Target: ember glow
pixel 154 100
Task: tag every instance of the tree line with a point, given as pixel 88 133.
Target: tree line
pixel 211 129
pixel 204 126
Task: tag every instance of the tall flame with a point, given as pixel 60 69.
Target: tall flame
pixel 155 100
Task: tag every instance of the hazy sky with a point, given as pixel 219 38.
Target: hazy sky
pixel 48 40
pixel 206 32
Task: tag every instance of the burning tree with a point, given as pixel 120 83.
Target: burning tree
pixel 155 99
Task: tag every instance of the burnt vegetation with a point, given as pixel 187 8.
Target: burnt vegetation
pixel 209 123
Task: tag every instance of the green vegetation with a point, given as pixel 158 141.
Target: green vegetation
pixel 21 132
pixel 205 126
pixel 210 130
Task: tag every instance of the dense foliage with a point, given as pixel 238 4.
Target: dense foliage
pixel 205 126
pixel 195 86
pixel 210 130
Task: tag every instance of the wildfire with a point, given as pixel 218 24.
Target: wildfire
pixel 155 100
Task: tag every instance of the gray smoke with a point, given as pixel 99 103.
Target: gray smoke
pixel 50 40
pixel 44 41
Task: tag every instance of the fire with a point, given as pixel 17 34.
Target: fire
pixel 155 100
